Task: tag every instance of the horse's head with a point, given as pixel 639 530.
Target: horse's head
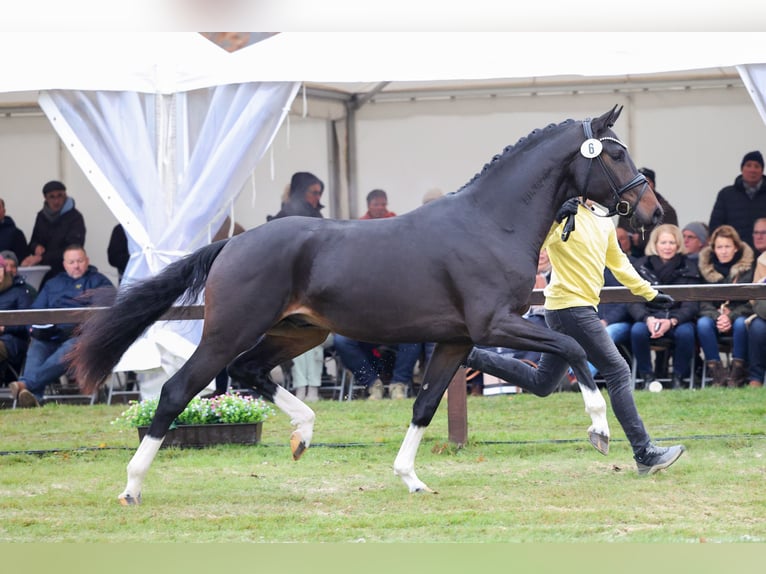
pixel 607 175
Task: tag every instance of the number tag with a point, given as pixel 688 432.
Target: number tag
pixel 591 148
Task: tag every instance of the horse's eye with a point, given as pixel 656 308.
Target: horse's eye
pixel 618 155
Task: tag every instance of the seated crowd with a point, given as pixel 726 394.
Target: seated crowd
pixel 722 341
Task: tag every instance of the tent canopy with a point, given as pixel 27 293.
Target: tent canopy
pixel 356 63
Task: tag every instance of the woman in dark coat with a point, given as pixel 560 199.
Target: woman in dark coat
pixel 303 199
pixel 665 264
pixel 727 259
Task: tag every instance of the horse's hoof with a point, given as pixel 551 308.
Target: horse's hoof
pixel 297 445
pixel 128 500
pixel 599 441
pixel 422 489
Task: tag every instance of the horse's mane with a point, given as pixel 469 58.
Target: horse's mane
pixel 532 137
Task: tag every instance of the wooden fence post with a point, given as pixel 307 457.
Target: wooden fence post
pixel 457 409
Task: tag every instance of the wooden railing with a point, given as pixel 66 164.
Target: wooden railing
pixel 457 405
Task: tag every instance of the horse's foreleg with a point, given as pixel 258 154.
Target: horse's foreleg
pixel 137 469
pixel 404 464
pixel 441 368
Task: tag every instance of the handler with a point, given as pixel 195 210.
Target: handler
pixel 571 302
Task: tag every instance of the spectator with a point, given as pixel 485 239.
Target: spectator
pixel 366 362
pixel 759 236
pixel 640 237
pixel 756 332
pixel 665 264
pixel 740 204
pixel 58 225
pixel 73 288
pixel 14 294
pixel 360 356
pixel 377 205
pixel 695 236
pixel 303 198
pixel 11 237
pixel 727 259
pixel 625 241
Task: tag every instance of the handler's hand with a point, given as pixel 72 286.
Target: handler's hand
pixel 661 301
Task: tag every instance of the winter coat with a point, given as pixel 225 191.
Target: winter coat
pixel 12 238
pixel 16 337
pixel 733 207
pixel 63 292
pixel 678 271
pixel 741 272
pixel 56 234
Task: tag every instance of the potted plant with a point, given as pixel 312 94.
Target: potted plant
pixel 229 418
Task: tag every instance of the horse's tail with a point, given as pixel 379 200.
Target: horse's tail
pixel 105 336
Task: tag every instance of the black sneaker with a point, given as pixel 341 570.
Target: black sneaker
pixel 655 458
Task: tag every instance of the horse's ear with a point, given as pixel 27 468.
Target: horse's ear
pixel 607 120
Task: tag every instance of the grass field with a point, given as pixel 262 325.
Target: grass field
pixel 527 474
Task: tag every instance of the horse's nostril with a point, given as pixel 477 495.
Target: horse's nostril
pixel 658 215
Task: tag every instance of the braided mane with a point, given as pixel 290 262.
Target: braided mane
pixel 532 136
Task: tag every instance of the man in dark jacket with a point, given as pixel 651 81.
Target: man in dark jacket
pixel 739 205
pixel 11 237
pixel 72 288
pixel 58 225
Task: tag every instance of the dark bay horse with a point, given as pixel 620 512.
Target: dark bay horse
pixel 458 271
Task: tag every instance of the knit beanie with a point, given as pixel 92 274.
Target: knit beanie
pixel 698 229
pixel 57 185
pixel 752 156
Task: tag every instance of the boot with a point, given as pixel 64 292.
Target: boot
pixel 376 391
pixel 717 372
pixel 312 395
pixel 300 393
pixel 397 390
pixel 738 374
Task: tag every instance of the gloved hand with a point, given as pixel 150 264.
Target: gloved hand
pixel 569 207
pixel 568 210
pixel 661 301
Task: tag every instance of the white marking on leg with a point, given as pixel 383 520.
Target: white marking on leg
pixel 137 469
pixel 404 464
pixel 595 406
pixel 301 415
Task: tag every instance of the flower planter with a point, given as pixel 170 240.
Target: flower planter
pixel 210 435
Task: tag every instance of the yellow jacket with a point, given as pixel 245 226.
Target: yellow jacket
pixel 578 263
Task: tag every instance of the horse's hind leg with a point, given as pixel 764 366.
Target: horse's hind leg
pixel 441 368
pixel 252 369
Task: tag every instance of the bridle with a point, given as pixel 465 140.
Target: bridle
pixel 591 149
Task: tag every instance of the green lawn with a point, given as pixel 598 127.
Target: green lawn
pixel 527 474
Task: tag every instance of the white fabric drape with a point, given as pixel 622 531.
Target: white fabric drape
pixel 754 78
pixel 169 166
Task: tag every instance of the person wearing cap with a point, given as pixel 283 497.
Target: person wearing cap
pixel 15 294
pixel 695 236
pixel 741 203
pixel 640 237
pixel 11 237
pixel 58 225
